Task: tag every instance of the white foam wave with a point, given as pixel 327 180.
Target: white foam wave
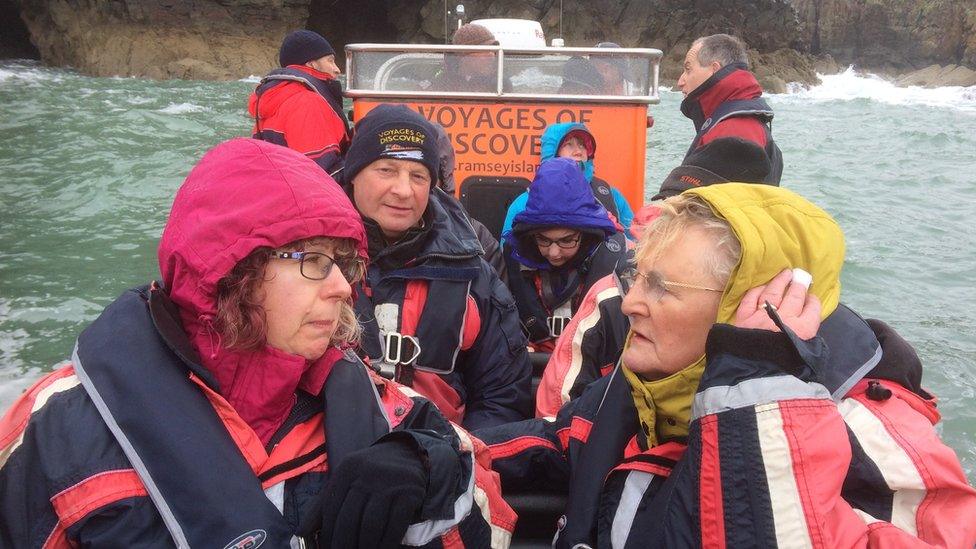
pixel 27 71
pixel 181 108
pixel 252 79
pixel 850 85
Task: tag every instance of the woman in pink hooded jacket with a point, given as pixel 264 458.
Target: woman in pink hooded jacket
pixel 221 407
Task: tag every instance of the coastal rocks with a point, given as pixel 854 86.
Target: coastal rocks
pixel 891 36
pixel 936 76
pixel 221 39
pixel 190 39
pixel 776 69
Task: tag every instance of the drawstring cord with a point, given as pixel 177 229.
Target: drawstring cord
pixel 207 321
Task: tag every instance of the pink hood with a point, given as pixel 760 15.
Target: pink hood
pixel 244 194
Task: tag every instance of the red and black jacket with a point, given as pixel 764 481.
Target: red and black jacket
pixel 790 443
pixel 730 104
pixel 301 108
pixel 121 449
pixel 436 317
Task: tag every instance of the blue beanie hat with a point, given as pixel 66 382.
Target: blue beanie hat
pixel 302 46
pixel 392 131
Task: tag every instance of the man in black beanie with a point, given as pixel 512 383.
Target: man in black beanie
pixel 435 315
pixel 299 105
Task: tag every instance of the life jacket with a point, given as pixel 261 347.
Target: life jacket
pixel 330 90
pixel 755 107
pixel 854 352
pixel 603 193
pixel 173 436
pixel 545 315
pixel 405 330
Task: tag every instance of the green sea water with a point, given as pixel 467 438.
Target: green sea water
pixel 89 167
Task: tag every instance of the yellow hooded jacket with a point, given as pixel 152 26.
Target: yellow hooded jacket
pixel 777 229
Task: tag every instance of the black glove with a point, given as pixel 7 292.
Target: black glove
pixel 374 495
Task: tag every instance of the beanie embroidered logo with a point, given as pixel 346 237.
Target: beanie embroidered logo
pixel 402 143
pixel 694 181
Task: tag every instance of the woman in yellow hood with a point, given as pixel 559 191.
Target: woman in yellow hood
pixel 695 264
pixel 749 409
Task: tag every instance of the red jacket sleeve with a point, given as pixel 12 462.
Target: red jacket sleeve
pixel 743 127
pixel 779 462
pixel 586 351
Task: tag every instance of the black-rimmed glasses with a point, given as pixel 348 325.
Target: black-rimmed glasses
pixel 318 266
pixel 565 242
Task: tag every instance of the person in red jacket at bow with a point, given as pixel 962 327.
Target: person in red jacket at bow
pixel 299 105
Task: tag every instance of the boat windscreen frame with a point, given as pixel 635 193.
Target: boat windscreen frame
pixel 653 57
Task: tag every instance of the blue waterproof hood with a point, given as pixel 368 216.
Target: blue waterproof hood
pixel 558 197
pixel 554 135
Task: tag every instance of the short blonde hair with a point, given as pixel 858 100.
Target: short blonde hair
pixel 240 318
pixel 682 213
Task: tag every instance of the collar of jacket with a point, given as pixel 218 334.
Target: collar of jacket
pixel 259 384
pixel 324 76
pixel 664 405
pixel 445 234
pixel 731 82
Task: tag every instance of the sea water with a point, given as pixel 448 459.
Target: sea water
pixel 89 166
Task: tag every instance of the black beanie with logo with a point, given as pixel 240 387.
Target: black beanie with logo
pixel 392 131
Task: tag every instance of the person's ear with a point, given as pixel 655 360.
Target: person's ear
pixel 715 66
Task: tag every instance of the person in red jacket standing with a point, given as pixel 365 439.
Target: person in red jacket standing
pixel 299 105
pixel 723 99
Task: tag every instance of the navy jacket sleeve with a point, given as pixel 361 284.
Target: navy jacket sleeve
pixel 497 374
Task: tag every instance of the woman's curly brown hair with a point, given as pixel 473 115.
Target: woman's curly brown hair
pixel 240 318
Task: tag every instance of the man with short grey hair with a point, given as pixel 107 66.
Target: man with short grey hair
pixel 723 99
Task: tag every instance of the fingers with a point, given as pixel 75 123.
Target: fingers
pixel 808 321
pixel 749 305
pixel 347 526
pixel 794 300
pixel 376 523
pixel 397 523
pixel 776 288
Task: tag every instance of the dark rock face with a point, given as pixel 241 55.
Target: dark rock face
pixel 891 35
pixel 194 39
pixel 15 39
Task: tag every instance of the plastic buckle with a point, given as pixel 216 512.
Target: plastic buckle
pixel 393 348
pixel 557 324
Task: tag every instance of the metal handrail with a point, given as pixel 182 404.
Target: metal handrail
pixel 653 57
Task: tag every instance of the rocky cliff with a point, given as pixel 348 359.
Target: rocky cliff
pixel 198 39
pixel 212 39
pixel 891 35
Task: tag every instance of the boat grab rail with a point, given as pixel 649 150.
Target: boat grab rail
pixel 427 52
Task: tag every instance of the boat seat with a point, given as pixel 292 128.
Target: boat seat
pixel 538 513
pixel 487 199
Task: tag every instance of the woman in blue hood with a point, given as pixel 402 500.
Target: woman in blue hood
pixel 573 140
pixel 559 245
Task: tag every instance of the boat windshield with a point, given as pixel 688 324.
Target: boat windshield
pixel 605 75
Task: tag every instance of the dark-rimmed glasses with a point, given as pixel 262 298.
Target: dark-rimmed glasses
pixel 655 286
pixel 565 242
pixel 318 266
